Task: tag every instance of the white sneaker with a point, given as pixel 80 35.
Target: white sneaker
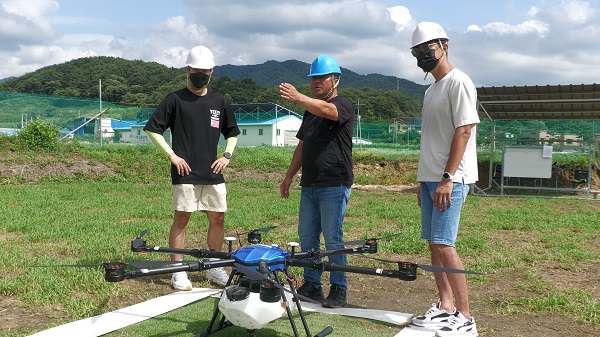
pixel 180 281
pixel 217 275
pixel 459 326
pixel 434 317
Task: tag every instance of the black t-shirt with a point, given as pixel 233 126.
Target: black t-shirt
pixel 327 147
pixel 196 123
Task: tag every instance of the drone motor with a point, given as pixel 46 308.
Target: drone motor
pixel 114 271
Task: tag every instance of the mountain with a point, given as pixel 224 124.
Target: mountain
pixel 78 77
pixel 145 84
pixel 271 73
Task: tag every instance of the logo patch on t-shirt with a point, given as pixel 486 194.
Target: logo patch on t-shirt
pixel 214 118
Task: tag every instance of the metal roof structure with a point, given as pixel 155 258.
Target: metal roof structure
pixel 263 108
pixel 562 102
pixel 550 102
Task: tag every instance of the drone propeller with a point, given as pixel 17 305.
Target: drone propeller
pixel 254 275
pixel 144 232
pixel 363 242
pixel 136 264
pixel 433 269
pixel 138 241
pixel 261 230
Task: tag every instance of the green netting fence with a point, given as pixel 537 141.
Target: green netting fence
pixel 18 108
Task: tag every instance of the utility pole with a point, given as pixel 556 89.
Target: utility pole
pixel 358 126
pixel 100 116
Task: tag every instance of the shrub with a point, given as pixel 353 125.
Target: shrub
pixel 39 135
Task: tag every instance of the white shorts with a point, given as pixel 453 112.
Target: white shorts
pixel 190 198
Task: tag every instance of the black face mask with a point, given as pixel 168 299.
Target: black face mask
pixel 199 80
pixel 427 61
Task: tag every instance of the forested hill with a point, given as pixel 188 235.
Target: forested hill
pixel 271 73
pixel 145 84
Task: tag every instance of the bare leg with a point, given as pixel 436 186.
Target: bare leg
pixel 450 283
pixel 216 230
pixel 177 233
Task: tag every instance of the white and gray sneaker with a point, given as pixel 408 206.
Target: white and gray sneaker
pixel 217 275
pixel 459 326
pixel 180 281
pixel 434 317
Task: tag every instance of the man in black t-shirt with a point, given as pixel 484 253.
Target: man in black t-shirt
pixel 197 116
pixel 324 153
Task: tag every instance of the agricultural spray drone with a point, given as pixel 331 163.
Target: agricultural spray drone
pixel 261 287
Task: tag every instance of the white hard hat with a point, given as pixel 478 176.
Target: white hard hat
pixel 200 58
pixel 428 31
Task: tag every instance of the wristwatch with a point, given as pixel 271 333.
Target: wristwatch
pixel 447 176
pixel 227 155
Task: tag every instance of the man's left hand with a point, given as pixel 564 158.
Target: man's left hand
pixel 219 165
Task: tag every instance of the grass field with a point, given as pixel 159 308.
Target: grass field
pixel 547 246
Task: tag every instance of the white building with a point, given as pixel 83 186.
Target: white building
pixel 259 124
pixel 266 124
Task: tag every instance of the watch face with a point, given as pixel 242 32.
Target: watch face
pixel 227 155
pixel 446 175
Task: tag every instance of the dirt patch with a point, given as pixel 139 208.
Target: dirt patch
pixel 16 316
pixel 47 166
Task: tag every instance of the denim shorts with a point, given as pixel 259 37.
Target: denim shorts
pixel 441 227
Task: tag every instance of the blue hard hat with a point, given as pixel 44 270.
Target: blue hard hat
pixel 324 65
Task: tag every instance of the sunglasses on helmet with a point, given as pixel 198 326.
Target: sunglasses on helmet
pixel 422 48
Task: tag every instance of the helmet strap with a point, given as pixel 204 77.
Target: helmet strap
pixel 332 88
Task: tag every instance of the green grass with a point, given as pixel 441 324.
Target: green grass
pixel 90 219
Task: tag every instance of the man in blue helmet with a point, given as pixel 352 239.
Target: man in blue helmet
pixel 324 153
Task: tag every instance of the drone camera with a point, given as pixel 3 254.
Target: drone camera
pixel 114 271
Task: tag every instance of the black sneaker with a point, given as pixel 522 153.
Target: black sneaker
pixel 309 290
pixel 336 297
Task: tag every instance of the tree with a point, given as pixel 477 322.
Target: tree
pixel 39 135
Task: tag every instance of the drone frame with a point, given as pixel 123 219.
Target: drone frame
pixel 258 267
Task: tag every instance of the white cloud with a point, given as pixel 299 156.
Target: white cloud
pixel 474 28
pixel 522 45
pixel 401 17
pixel 570 12
pixel 526 27
pixel 25 22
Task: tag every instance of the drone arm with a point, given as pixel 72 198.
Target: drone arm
pixel 198 253
pixel 321 253
pixel 355 250
pixel 407 272
pixel 115 272
pixel 191 266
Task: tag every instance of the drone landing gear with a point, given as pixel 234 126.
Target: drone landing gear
pixel 243 283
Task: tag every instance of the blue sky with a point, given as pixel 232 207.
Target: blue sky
pixel 498 43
